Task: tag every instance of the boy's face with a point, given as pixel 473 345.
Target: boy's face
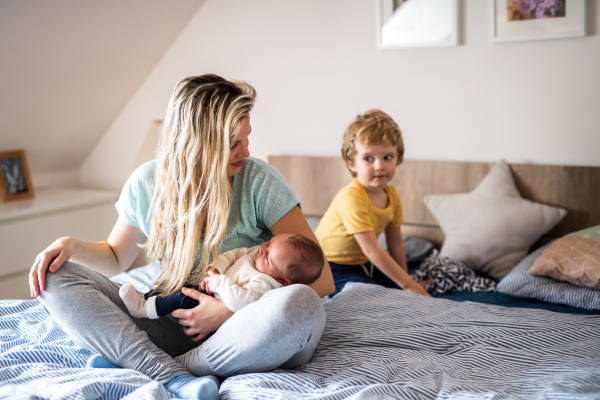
pixel 273 255
pixel 374 166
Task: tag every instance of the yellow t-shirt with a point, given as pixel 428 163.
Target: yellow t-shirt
pixel 350 212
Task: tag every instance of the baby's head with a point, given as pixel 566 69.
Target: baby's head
pixel 290 258
pixel 374 128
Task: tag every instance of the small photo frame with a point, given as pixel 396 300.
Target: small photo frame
pixel 15 181
pixel 521 20
pixel 417 23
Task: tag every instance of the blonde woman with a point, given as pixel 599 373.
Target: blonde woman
pixel 201 197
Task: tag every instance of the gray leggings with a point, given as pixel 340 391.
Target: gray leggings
pixel 282 328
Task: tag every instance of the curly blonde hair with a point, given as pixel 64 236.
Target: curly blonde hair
pixel 193 196
pixel 373 128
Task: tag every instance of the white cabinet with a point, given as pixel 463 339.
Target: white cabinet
pixel 28 226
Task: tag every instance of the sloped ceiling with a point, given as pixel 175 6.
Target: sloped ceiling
pixel 68 68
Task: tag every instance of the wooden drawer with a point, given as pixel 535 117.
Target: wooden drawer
pixel 22 240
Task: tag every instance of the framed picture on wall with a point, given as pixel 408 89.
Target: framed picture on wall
pixel 416 23
pixel 519 20
pixel 15 181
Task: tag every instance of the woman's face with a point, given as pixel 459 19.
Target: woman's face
pixel 239 149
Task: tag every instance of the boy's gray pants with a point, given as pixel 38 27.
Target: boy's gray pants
pixel 282 328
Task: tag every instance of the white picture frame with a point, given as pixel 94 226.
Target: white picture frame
pixel 572 25
pixel 417 23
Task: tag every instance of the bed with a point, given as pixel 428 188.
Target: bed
pixel 378 342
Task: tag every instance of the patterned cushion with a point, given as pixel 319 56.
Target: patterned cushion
pixel 522 284
pixel 449 275
pixel 574 258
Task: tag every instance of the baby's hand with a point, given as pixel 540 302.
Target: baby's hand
pixel 205 284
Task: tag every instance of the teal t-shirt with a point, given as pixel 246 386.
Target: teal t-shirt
pixel 260 197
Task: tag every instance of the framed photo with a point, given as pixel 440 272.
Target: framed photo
pixel 15 181
pixel 416 23
pixel 518 20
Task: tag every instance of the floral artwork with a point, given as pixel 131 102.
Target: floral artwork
pixel 519 10
pixel 520 20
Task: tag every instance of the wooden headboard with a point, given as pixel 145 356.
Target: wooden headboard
pixel 316 180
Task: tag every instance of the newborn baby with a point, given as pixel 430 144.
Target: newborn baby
pixel 240 276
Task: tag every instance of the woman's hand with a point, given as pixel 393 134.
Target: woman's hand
pixel 108 258
pixel 205 318
pixel 50 259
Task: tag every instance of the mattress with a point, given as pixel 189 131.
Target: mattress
pixel 377 343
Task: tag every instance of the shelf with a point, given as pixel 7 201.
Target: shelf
pixel 49 201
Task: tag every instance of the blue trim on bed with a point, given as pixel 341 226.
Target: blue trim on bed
pixel 506 300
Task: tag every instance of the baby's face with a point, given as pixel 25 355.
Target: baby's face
pixel 273 255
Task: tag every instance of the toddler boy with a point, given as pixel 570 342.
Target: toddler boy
pixel 372 149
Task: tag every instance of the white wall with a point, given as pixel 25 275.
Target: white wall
pixel 68 68
pixel 315 66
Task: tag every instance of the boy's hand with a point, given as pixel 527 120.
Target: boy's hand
pixel 425 283
pixel 386 264
pixel 418 288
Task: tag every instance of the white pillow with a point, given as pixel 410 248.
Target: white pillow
pixel 492 228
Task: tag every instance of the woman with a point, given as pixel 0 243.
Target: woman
pixel 201 197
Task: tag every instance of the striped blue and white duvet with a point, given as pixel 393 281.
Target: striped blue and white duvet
pixel 378 343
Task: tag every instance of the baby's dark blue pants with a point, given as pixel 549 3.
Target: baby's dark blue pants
pixel 165 305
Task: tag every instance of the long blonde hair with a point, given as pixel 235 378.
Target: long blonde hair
pixel 204 116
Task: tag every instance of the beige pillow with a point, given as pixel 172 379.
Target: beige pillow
pixel 491 228
pixel 573 258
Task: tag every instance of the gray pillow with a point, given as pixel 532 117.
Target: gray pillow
pixel 520 283
pixel 491 228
